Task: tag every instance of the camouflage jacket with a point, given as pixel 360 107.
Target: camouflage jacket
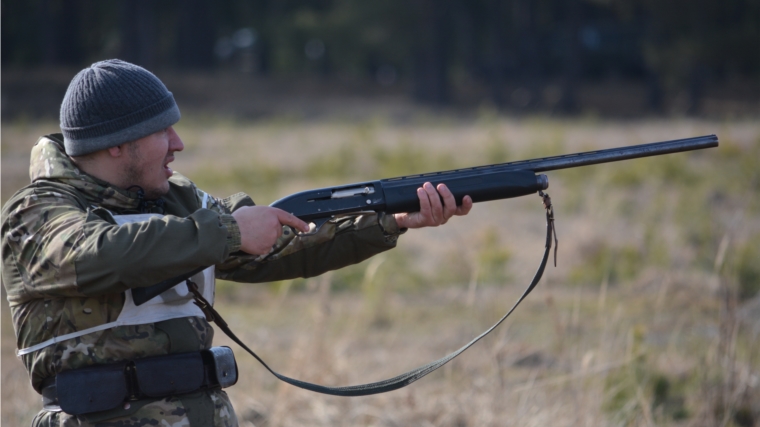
pixel 67 264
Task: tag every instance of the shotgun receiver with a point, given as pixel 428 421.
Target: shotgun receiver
pixel 481 183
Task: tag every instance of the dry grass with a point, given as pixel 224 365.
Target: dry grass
pixel 651 317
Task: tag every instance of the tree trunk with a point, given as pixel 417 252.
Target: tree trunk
pixel 571 61
pixel 196 38
pixel 527 96
pixel 497 52
pixel 138 32
pixel 431 53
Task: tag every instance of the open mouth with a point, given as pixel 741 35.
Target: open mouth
pixel 167 169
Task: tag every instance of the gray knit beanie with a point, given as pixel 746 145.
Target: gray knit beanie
pixel 113 102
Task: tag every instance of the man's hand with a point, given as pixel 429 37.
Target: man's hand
pixel 261 226
pixel 432 212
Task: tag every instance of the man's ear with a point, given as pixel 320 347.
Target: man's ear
pixel 116 151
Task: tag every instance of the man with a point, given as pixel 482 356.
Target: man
pixel 105 214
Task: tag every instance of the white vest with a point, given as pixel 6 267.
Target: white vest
pixel 174 303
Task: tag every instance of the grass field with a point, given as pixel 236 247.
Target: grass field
pixel 652 316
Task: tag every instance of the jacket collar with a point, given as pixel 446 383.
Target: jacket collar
pixel 49 161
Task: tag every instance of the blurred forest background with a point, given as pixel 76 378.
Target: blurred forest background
pixel 610 57
pixel 652 316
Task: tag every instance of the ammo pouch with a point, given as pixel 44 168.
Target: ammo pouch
pixel 104 387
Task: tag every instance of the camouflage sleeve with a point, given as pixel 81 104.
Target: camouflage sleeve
pixel 58 249
pixel 340 242
pixel 40 241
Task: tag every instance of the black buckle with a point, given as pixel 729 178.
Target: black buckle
pixel 222 366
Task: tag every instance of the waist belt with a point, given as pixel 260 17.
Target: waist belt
pixel 104 387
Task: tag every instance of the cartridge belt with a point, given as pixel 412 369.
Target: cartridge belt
pixel 104 387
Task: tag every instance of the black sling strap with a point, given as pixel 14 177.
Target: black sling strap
pixel 405 379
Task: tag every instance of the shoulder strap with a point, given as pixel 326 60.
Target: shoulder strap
pixel 407 378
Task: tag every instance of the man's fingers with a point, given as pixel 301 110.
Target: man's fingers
pixel 286 218
pixel 425 209
pixel 436 209
pixel 466 206
pixel 449 203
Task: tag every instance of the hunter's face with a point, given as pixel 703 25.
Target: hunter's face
pixel 148 161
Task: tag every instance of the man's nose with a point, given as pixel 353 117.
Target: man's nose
pixel 175 142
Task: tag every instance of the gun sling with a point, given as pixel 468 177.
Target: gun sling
pixel 103 387
pixel 407 378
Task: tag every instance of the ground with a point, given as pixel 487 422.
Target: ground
pixel 650 317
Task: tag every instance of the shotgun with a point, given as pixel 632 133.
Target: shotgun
pixel 481 183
